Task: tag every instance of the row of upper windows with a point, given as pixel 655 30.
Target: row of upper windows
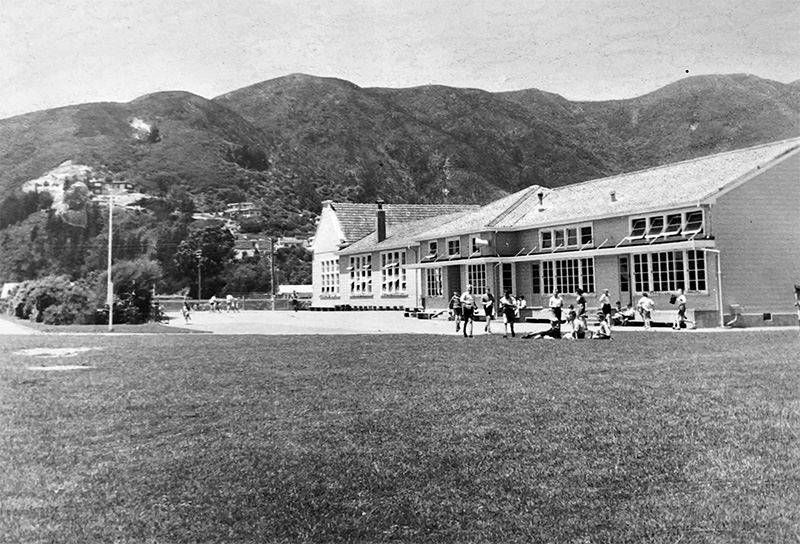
pixel 650 227
pixel 687 224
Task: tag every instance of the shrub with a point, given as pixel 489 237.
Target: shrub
pixel 54 300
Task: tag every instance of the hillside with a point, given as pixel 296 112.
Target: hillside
pixel 293 141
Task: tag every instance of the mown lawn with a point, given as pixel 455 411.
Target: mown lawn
pixel 662 437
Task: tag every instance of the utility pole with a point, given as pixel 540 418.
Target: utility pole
pixel 199 255
pixel 110 285
pixel 272 269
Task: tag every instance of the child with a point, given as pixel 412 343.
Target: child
pixel 797 301
pixel 603 331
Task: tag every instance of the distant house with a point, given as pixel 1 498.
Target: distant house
pixel 724 227
pixel 242 210
pixel 284 242
pixel 246 247
pixel 105 187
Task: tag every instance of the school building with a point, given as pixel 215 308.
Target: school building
pixel 726 228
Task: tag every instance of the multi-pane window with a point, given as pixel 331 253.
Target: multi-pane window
pixel 694 223
pixel 668 271
pixel 507 275
pixel 655 226
pixel 586 235
pixel 624 275
pixel 687 224
pixel 330 278
pixel 476 276
pixel 433 282
pixel 569 237
pixel 641 273
pixel 393 272
pixel 567 275
pixel 536 272
pixel 360 275
pixel 547 239
pixel 696 270
pixel 433 249
pixel 638 228
pixel 454 247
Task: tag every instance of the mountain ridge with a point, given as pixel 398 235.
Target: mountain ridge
pixel 295 140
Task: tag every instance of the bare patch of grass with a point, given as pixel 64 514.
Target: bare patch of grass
pixel 648 438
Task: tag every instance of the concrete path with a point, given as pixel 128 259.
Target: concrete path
pixel 7 326
pixel 286 322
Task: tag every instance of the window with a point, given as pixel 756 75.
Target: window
pixel 673 224
pixel 361 275
pixel 474 245
pixel 624 275
pixel 476 276
pixel 696 270
pixel 668 271
pixel 655 226
pixel 572 237
pixel 433 249
pixel 537 280
pixel 586 235
pixel 558 238
pixel 547 240
pixel 454 247
pixel 694 223
pixel 393 272
pixel 507 275
pixel 566 275
pixel 638 228
pixel 569 237
pixel 330 278
pixel 433 282
pixel 641 274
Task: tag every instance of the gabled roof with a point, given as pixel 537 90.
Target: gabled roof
pixel 672 186
pixel 359 220
pixel 401 235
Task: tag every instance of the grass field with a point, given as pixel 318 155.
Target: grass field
pixel 684 437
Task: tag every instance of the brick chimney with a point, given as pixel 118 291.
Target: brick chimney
pixel 381 221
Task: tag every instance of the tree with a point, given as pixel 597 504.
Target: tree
pixel 212 248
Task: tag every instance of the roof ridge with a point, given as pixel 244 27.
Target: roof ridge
pixel 514 206
pixel 685 161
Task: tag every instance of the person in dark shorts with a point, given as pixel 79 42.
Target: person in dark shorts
pixel 509 307
pixel 455 306
pixel 605 306
pixel 556 305
pixel 487 300
pixel 468 310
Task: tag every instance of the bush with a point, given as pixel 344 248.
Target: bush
pixel 54 300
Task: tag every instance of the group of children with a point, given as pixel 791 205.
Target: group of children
pixel 214 305
pixel 463 309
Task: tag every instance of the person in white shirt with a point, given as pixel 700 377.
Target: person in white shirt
pixel 468 310
pixel 646 307
pixel 510 308
pixel 556 304
pixel 680 318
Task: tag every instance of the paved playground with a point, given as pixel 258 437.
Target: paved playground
pixel 304 322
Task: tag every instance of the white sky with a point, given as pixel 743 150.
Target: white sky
pixel 59 52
